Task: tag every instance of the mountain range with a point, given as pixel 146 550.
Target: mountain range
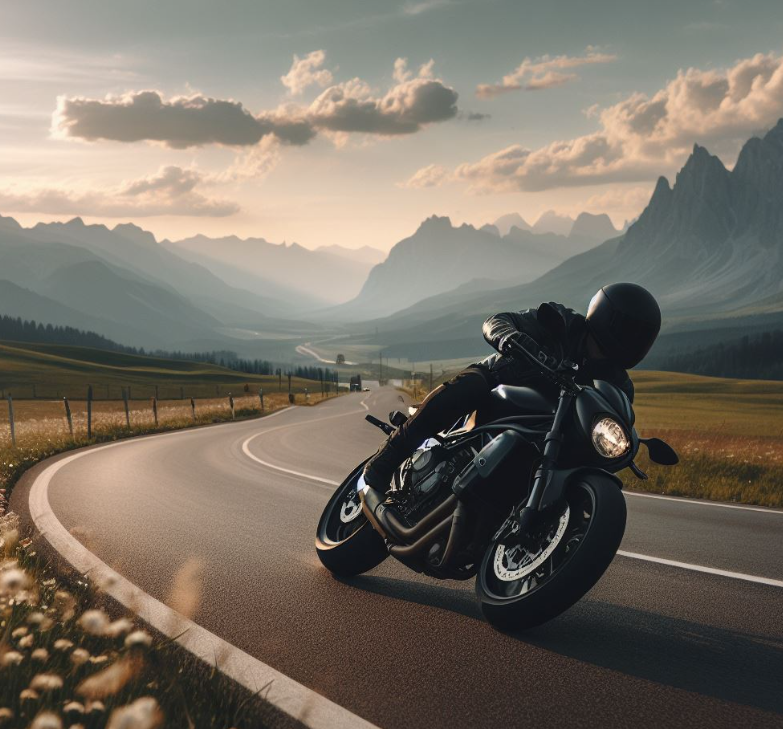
pixel 709 247
pixel 440 257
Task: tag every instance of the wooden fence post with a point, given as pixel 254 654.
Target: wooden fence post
pixel 127 409
pixel 155 410
pixel 68 415
pixel 193 408
pixel 89 412
pixel 156 392
pixel 307 395
pixel 261 397
pixel 11 419
pixel 231 405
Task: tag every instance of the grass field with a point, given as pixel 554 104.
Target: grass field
pixel 54 371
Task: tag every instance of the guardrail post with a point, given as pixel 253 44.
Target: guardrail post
pixel 155 410
pixel 127 409
pixel 231 405
pixel 89 412
pixel 11 419
pixel 193 408
pixel 68 415
pixel 261 397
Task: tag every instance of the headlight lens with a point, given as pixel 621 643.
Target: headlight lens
pixel 609 438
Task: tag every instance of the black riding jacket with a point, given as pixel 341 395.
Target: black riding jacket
pixel 511 371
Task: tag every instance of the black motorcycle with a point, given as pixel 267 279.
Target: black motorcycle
pixel 523 496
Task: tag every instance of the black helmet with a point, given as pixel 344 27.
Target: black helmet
pixel 625 320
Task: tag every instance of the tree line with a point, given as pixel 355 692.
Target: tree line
pixel 758 357
pixel 16 329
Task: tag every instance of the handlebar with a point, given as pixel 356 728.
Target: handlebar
pixel 561 373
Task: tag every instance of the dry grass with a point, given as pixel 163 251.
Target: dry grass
pixel 65 663
pixel 42 430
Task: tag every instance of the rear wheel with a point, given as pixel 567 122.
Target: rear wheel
pixel 346 543
pixel 524 582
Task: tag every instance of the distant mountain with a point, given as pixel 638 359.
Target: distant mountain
pixel 552 222
pixel 710 248
pixel 439 257
pixel 513 220
pixel 365 254
pixel 597 227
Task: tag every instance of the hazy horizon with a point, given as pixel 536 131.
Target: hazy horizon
pixel 349 123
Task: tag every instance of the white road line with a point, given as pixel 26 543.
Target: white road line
pixel 289 471
pixel 702 568
pixel 301 703
pixel 630 555
pixel 699 502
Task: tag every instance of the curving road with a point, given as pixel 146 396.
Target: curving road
pixel 651 645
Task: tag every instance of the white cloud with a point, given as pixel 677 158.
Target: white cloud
pixel 643 136
pixel 192 121
pixel 307 71
pixel 425 6
pixel 170 191
pixel 543 73
pixel 429 176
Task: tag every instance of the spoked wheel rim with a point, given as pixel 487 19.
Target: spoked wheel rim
pixel 515 567
pixel 343 515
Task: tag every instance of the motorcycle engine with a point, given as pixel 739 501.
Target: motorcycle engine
pixel 427 476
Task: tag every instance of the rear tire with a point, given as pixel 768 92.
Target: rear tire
pixel 346 544
pixel 574 567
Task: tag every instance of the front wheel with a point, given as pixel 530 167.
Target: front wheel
pixel 346 543
pixel 524 582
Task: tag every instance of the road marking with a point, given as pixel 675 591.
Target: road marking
pixel 702 568
pixel 699 502
pixel 289 471
pixel 297 701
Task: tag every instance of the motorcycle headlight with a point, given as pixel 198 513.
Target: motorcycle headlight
pixel 609 438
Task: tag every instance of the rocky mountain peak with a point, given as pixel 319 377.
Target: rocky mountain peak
pixel 598 227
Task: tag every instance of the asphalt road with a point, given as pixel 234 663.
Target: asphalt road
pixel 651 645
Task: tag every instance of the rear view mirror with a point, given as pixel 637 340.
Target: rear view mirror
pixel 661 452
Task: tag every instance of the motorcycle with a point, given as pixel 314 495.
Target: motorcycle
pixel 523 496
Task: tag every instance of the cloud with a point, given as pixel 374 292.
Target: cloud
pixel 413 102
pixel 644 136
pixel 425 6
pixel 180 122
pixel 306 72
pixel 407 107
pixel 545 72
pixel 170 191
pixel 429 176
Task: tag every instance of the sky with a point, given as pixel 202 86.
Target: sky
pixel 348 122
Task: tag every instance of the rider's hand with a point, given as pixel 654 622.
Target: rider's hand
pixel 510 341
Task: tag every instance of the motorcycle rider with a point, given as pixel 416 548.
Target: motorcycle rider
pixel 622 323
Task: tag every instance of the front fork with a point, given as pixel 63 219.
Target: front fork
pixel 521 521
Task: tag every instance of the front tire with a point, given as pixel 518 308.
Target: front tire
pixel 524 593
pixel 346 543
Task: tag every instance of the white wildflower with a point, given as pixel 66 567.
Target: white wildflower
pixel 138 638
pixel 80 656
pixel 94 622
pixel 11 658
pixel 19 632
pixel 12 581
pixel 118 628
pixel 6 715
pixel 46 682
pixel 73 707
pixel 25 642
pixel 46 720
pixel 40 654
pixel 143 713
pixel 65 605
pixel 28 695
pixel 63 644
